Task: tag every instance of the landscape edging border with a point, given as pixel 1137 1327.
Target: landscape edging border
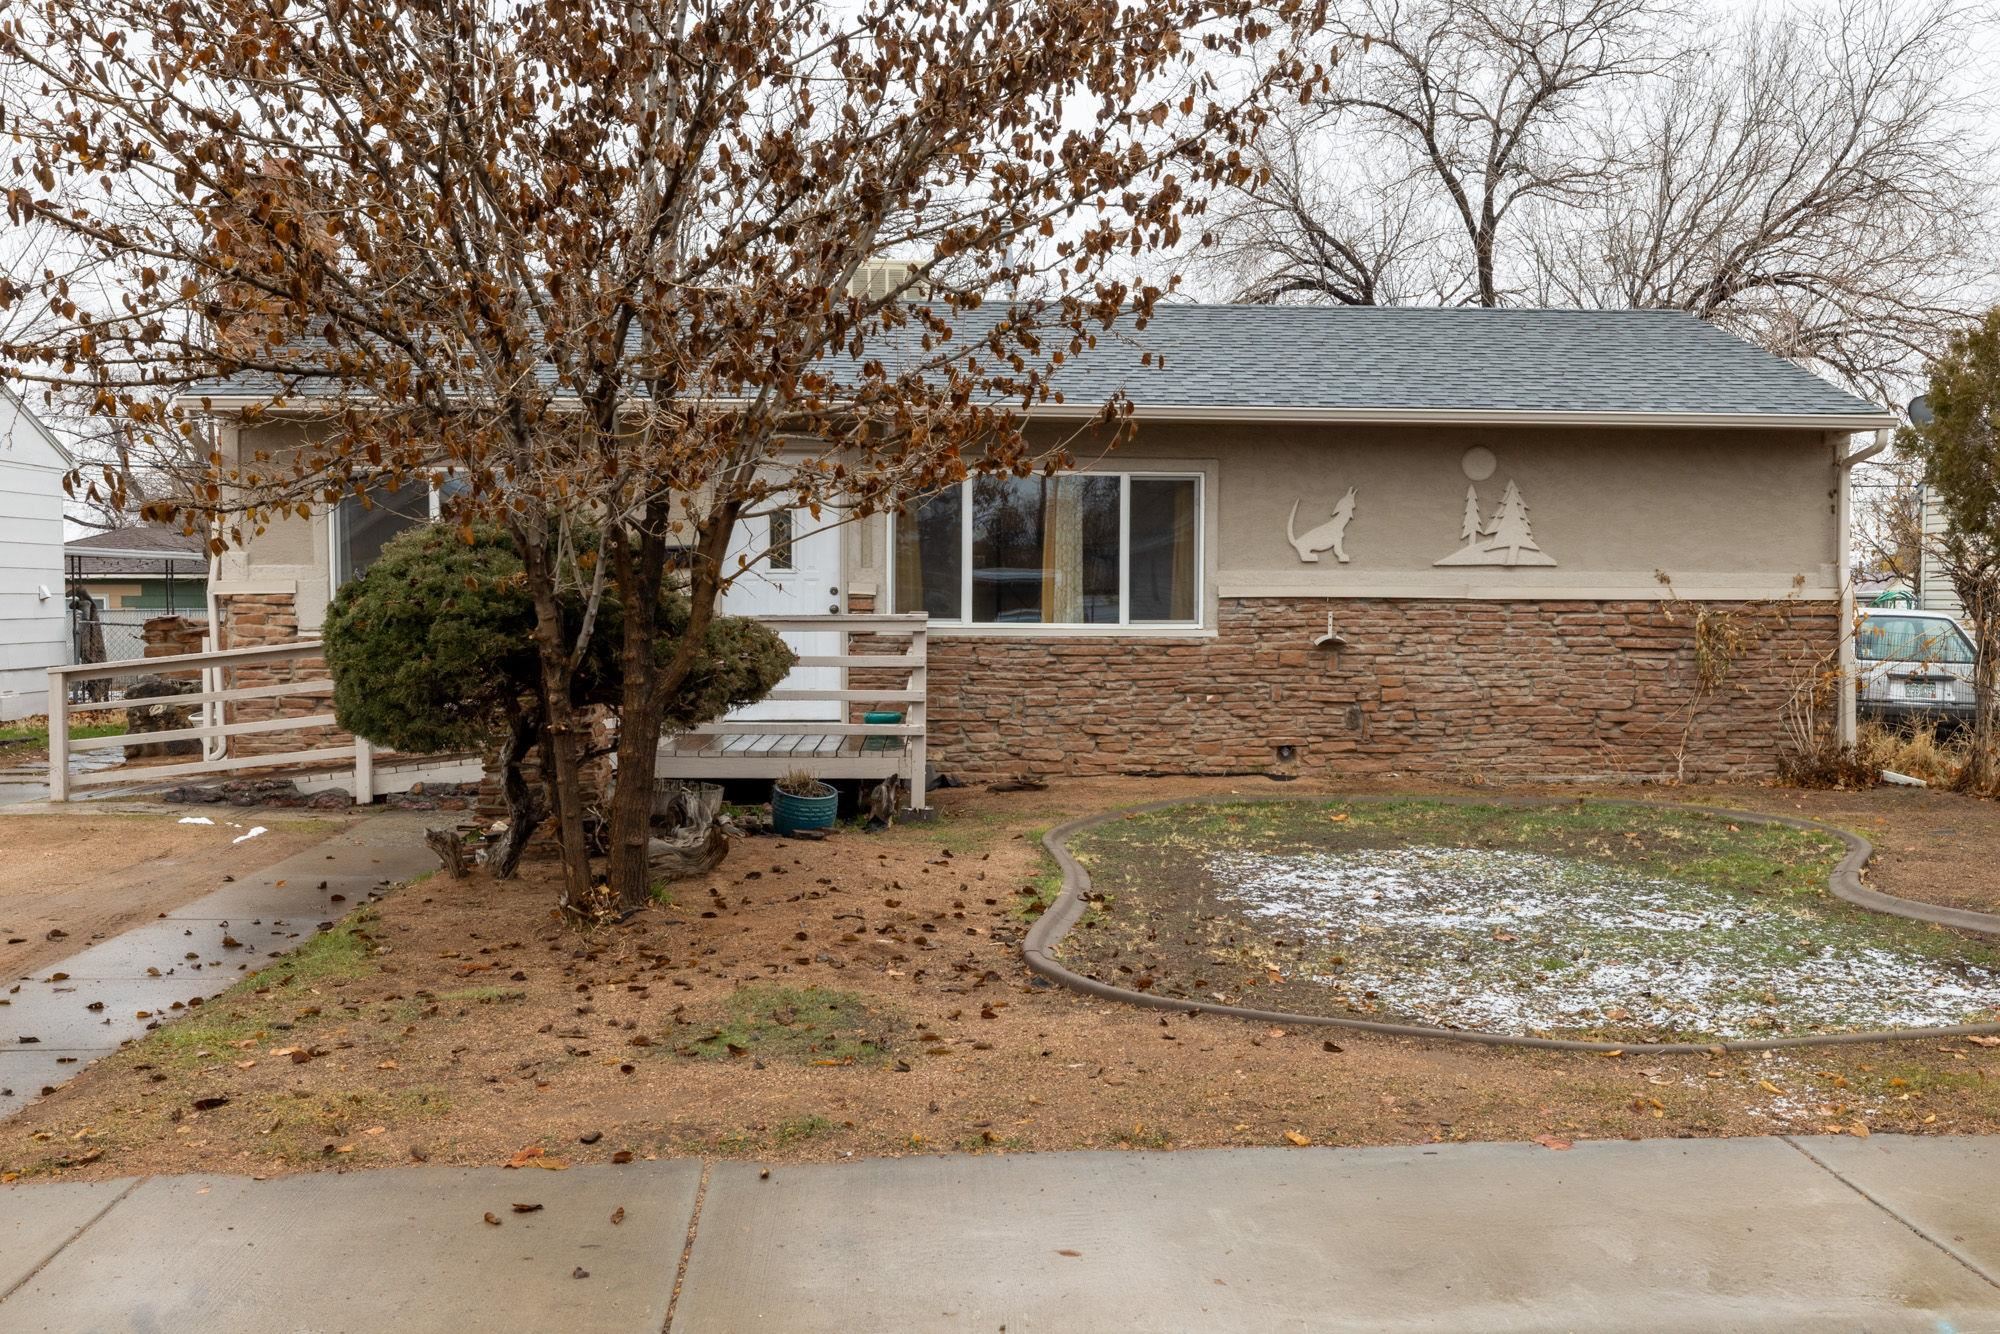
pixel 1845 883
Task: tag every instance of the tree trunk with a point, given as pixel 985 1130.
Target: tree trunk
pixel 524 812
pixel 648 684
pixel 1980 772
pixel 639 569
pixel 562 742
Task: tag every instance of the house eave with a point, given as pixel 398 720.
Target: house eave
pixel 1363 416
pixel 1853 423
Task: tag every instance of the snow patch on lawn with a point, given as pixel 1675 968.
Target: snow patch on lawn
pixel 1523 942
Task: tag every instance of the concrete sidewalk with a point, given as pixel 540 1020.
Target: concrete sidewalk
pixel 59 1019
pixel 1887 1233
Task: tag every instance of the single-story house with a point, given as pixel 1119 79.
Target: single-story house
pixel 145 568
pixel 34 619
pixel 1343 541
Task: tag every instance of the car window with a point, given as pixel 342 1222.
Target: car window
pixel 1911 639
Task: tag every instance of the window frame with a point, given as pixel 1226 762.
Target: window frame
pixel 1125 624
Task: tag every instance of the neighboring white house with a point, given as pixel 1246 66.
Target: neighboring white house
pixel 1934 588
pixel 34 618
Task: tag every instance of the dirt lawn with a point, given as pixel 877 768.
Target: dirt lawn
pixel 91 874
pixel 865 996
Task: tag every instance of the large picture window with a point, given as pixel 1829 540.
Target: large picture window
pixel 1073 549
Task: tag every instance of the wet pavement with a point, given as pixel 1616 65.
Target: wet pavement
pixel 59 1019
pixel 1888 1233
pixel 27 779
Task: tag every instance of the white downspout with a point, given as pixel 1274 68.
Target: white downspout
pixel 213 747
pixel 1844 506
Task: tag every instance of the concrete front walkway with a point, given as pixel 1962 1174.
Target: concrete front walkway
pixel 1887 1233
pixel 59 1019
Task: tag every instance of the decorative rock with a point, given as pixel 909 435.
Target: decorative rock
pixel 162 717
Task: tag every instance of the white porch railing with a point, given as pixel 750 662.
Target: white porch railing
pixel 729 748
pixel 213 699
pixel 761 748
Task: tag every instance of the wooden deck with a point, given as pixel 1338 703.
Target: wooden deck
pixel 768 748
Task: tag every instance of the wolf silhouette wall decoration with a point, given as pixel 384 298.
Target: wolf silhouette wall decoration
pixel 1328 536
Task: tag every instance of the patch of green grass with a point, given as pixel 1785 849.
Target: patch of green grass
pixel 1140 1136
pixel 809 1025
pixel 1737 855
pixel 340 954
pixel 483 995
pixel 208 1029
pixel 1718 919
pixel 968 831
pixel 37 733
pixel 991 1143
pixel 1039 893
pixel 801 1128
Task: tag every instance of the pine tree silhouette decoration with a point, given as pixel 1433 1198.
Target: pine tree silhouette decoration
pixel 1506 540
pixel 1510 533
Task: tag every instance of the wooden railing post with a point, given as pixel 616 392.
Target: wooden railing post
pixel 919 746
pixel 364 772
pixel 58 736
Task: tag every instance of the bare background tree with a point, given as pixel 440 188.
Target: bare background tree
pixel 1811 182
pixel 1466 112
pixel 1818 178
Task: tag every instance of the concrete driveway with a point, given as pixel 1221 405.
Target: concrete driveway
pixel 1768 1234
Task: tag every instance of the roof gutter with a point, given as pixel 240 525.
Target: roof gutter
pixel 1853 423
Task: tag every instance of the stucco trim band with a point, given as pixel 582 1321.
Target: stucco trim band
pixel 1585 588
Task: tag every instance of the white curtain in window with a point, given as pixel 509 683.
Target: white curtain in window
pixel 1062 550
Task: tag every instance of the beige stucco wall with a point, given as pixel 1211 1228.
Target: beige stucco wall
pixel 1723 513
pixel 292 555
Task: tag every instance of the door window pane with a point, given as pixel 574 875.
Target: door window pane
pixel 779 548
pixel 930 555
pixel 1045 550
pixel 1163 548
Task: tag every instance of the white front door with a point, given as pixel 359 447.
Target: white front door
pixel 790 574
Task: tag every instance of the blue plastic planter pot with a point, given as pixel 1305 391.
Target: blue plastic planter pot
pixel 790 813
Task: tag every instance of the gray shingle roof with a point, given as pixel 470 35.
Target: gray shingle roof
pixel 1471 360
pixel 146 549
pixel 1405 362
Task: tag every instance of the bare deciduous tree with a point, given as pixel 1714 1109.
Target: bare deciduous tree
pixel 1809 183
pixel 596 260
pixel 1471 109
pixel 1816 178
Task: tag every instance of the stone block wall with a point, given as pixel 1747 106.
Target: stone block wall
pixel 1453 689
pixel 251 620
pixel 171 636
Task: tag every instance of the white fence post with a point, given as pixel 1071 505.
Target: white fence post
pixel 58 736
pixel 919 745
pixel 364 771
